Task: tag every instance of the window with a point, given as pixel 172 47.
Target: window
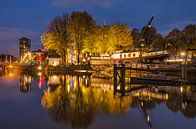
pixel 133 54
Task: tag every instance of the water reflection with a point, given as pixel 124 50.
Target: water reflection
pixel 76 100
pixel 74 103
pixel 25 83
pixel 183 101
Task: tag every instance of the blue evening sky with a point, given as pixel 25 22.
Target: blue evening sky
pixel 29 18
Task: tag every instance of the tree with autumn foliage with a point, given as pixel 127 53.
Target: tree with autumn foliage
pixel 80 25
pixel 94 41
pixel 56 36
pixel 109 39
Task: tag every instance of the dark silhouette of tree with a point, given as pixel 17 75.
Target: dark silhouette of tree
pixel 159 42
pixel 176 40
pixel 190 35
pixel 148 35
pixel 183 102
pixel 137 37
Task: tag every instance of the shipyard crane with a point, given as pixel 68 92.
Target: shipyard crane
pixel 148 32
pixel 150 22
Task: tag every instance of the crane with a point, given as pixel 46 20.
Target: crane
pixel 148 32
pixel 150 21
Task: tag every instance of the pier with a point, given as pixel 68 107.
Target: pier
pixel 154 74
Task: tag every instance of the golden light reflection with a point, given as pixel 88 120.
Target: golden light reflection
pixel 181 89
pixel 39 73
pixel 40 67
pixel 25 83
pixel 68 88
pixel 71 100
pixel 10 66
pixel 99 100
pixel 148 118
pixel 10 74
pixel 54 80
pixel 167 97
pixel 75 82
pixel 142 104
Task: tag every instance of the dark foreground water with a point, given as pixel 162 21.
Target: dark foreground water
pixel 67 102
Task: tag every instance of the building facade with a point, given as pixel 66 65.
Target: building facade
pixel 25 47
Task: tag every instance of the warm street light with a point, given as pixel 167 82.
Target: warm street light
pixel 182 54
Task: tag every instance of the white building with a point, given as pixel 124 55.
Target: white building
pixel 54 60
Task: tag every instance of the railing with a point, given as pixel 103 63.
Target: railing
pixel 151 66
pixel 26 57
pixel 155 53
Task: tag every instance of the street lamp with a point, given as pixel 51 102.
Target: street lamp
pixel 141 49
pixel 182 54
pixel 184 63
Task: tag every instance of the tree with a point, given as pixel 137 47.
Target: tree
pixel 148 34
pixel 94 42
pixel 121 37
pixel 80 25
pixel 176 40
pixel 56 36
pixel 137 37
pixel 109 39
pixel 190 35
pixel 159 43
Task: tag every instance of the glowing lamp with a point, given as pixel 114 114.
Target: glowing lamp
pixel 40 58
pixel 182 53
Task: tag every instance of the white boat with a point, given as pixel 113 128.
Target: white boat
pixel 126 57
pixel 137 55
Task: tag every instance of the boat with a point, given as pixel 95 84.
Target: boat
pixel 137 55
pixel 126 57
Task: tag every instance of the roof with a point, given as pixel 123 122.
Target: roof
pixel 53 56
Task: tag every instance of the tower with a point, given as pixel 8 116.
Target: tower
pixel 25 46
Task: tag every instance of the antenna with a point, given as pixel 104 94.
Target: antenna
pixel 104 23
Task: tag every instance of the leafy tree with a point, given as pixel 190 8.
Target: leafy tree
pixel 96 41
pixel 109 39
pixel 120 36
pixel 190 35
pixel 56 36
pixel 80 25
pixel 158 43
pixel 137 37
pixel 176 40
